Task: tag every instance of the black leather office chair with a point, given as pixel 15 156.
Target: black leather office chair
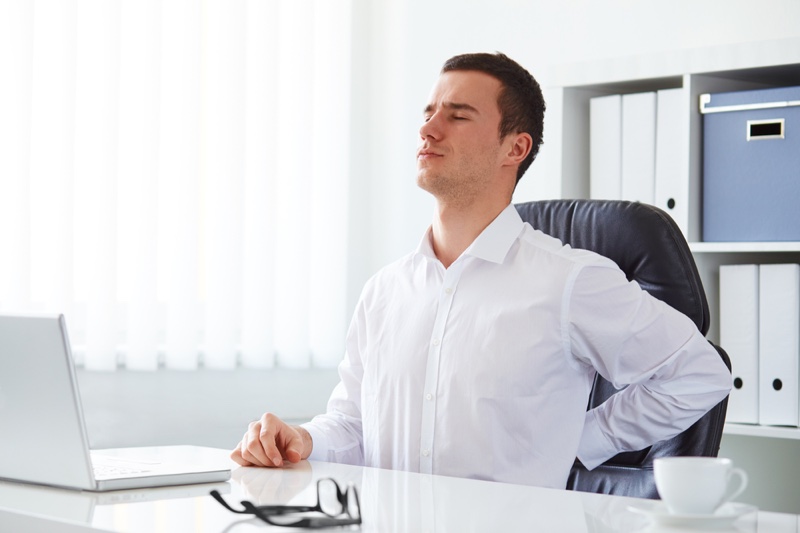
pixel 650 248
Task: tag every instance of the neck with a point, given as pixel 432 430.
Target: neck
pixel 455 228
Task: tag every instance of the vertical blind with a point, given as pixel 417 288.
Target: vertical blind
pixel 173 177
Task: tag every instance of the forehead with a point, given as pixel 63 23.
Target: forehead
pixel 474 88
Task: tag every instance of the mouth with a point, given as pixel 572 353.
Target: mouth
pixel 427 154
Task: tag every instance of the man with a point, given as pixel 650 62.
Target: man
pixel 474 355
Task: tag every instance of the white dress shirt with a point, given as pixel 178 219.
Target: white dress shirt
pixel 483 370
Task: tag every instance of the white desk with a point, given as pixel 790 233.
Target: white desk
pixel 390 501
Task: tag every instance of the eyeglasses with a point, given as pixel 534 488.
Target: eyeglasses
pixel 338 507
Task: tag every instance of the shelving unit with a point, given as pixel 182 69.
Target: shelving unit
pixel 719 69
pixel 744 247
pixel 762 431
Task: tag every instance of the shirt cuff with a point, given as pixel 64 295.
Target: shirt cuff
pixel 320 446
pixel 594 448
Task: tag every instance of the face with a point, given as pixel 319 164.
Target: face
pixel 460 153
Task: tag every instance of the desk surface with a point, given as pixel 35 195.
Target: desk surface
pixel 390 500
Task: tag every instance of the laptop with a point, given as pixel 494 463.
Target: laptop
pixel 43 436
pixel 80 507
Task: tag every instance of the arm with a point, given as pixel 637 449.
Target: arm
pixel 674 375
pixel 334 436
pixel 337 434
pixel 269 441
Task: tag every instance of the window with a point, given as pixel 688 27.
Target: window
pixel 173 178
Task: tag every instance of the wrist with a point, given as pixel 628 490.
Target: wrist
pixel 308 442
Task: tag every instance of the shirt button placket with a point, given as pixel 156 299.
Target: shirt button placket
pixel 431 378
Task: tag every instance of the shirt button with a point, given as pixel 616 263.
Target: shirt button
pixel 448 290
pixel 436 342
pixel 429 396
pixel 426 453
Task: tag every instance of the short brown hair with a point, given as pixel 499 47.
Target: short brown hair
pixel 521 102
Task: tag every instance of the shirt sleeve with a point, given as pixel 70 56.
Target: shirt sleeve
pixel 672 375
pixel 337 435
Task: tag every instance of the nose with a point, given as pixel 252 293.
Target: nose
pixel 431 128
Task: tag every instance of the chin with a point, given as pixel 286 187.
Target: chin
pixel 425 183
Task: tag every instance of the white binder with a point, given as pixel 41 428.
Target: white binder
pixel 778 523
pixel 779 344
pixel 672 156
pixel 738 332
pixel 605 147
pixel 639 147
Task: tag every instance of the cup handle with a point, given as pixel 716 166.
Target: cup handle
pixel 734 491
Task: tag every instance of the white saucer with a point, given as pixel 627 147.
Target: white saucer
pixel 726 515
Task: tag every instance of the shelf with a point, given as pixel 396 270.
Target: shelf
pixel 776 59
pixel 726 247
pixel 762 431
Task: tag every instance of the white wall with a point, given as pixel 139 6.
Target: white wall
pixel 203 407
pixel 407 41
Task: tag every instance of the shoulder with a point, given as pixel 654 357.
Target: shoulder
pixel 392 274
pixel 534 242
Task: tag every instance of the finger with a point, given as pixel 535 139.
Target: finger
pixel 253 459
pixel 236 456
pixel 243 452
pixel 273 431
pixel 253 452
pixel 292 453
pixel 252 448
pixel 287 439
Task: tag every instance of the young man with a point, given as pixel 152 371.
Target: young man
pixel 474 355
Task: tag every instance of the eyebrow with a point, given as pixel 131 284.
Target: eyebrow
pixel 458 106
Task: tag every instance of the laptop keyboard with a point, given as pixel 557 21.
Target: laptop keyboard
pixel 115 471
pixel 106 470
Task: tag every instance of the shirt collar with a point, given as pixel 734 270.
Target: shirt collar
pixel 425 246
pixel 492 244
pixel 495 241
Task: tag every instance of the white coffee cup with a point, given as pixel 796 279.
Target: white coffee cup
pixel 697 485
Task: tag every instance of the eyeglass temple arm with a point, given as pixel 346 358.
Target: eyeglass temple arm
pixel 315 522
pixel 217 496
pixel 249 508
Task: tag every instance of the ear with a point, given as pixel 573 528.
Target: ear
pixel 519 146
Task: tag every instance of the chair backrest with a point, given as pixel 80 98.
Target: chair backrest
pixel 650 249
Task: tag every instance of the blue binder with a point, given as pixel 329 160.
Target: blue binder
pixel 751 165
